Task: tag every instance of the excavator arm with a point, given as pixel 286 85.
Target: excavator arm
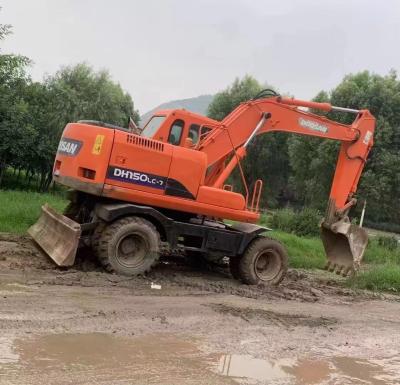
pixel 344 242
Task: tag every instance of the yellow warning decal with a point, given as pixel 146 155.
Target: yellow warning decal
pixel 98 143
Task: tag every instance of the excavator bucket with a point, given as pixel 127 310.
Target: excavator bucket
pixel 57 235
pixel 344 244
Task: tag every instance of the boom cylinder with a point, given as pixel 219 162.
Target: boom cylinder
pixel 315 105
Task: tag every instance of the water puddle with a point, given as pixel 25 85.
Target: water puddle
pixel 332 371
pixel 167 359
pixel 105 359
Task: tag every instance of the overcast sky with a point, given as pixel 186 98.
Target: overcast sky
pixel 172 49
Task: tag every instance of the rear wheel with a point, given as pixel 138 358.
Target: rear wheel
pixel 128 246
pixel 264 262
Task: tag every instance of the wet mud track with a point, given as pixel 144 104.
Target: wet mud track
pixel 84 326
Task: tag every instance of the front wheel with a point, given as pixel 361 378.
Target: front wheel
pixel 265 261
pixel 128 246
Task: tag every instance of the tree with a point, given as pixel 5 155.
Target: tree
pixel 14 117
pixel 72 94
pixel 33 115
pixel 226 101
pixel 5 29
pixel 81 93
pixel 267 156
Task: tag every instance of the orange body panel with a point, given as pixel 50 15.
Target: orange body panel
pixel 219 197
pixel 78 151
pixel 138 155
pixel 189 168
pixel 180 204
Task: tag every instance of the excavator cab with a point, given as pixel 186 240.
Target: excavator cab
pixel 177 126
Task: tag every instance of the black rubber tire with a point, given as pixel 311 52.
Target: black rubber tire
pixel 268 251
pixel 143 240
pixel 234 267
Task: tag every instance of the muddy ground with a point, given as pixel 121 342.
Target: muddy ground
pixel 84 326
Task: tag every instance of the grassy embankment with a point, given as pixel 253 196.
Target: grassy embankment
pixel 20 209
pixel 381 268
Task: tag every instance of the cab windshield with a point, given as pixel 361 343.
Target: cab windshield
pixel 152 126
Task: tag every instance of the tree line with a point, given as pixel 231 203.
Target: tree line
pixel 33 114
pixel 298 170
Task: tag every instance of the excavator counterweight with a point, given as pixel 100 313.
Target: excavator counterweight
pixel 165 191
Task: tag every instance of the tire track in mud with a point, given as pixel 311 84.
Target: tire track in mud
pixel 263 316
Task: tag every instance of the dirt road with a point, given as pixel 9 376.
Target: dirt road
pixel 83 326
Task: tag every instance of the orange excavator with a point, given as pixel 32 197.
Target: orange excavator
pixel 135 197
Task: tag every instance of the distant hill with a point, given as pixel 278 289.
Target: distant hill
pixel 198 104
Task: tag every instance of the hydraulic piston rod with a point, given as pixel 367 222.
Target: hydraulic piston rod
pixel 240 153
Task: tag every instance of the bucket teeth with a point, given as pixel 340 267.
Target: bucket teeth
pixel 332 267
pixel 339 270
pixel 346 271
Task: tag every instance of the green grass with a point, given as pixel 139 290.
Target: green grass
pixel 20 209
pixel 304 253
pixel 380 268
pixel 377 254
pixel 384 277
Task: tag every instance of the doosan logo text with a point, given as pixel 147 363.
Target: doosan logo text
pixel 313 125
pixel 69 147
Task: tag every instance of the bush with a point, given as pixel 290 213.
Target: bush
pixel 383 226
pixel 388 242
pixel 378 277
pixel 303 223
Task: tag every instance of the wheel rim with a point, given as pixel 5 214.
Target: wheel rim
pixel 131 250
pixel 268 265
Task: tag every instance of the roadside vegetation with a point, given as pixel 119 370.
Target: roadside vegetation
pixel 299 232
pixel 20 209
pixel 381 264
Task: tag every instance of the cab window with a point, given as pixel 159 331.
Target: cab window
pixel 152 126
pixel 194 132
pixel 176 132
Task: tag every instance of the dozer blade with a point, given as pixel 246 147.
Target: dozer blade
pixel 57 235
pixel 344 244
